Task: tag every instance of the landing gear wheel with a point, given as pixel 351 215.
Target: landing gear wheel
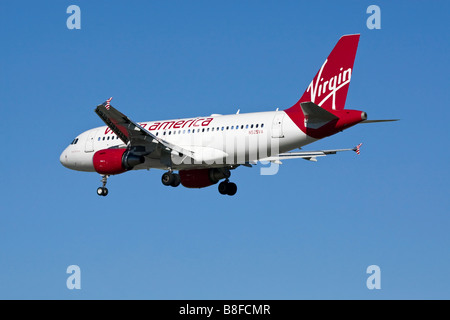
pixel 176 180
pixel 232 189
pixel 167 178
pixel 223 187
pixel 171 179
pixel 102 191
pixel 226 187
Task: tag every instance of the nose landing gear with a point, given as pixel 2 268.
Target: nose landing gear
pixel 103 191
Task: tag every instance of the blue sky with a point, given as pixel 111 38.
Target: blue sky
pixel 308 232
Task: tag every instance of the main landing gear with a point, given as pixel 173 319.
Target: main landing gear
pixel 227 187
pixel 171 179
pixel 103 191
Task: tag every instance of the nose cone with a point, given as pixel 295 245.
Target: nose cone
pixel 63 158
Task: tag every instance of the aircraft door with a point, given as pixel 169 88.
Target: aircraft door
pixel 89 146
pixel 277 125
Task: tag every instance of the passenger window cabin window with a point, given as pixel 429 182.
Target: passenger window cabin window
pixel 256 125
pixel 262 125
pixel 103 139
pixel 246 126
pixel 251 127
pixel 242 127
pixel 232 127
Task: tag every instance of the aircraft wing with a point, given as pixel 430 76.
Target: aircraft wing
pixel 131 133
pixel 308 155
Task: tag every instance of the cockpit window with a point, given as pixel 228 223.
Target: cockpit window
pixel 75 141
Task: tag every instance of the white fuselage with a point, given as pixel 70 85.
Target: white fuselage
pixel 217 140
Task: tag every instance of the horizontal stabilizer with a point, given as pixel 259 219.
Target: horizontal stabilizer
pixel 374 121
pixel 308 155
pixel 315 116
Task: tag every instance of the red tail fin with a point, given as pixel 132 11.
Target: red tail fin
pixel 329 87
pixel 328 90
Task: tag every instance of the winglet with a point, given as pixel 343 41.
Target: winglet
pixel 356 149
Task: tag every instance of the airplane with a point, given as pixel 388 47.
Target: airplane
pixel 205 149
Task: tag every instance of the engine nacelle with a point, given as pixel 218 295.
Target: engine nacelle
pixel 115 161
pixel 201 178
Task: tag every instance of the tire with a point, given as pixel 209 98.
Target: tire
pixel 167 179
pixel 232 189
pixel 101 191
pixel 176 180
pixel 223 187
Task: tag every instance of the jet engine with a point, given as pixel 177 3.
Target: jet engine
pixel 115 161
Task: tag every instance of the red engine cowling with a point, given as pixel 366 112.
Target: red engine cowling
pixel 201 178
pixel 115 161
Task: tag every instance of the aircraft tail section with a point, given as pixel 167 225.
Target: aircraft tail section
pixel 320 111
pixel 329 87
